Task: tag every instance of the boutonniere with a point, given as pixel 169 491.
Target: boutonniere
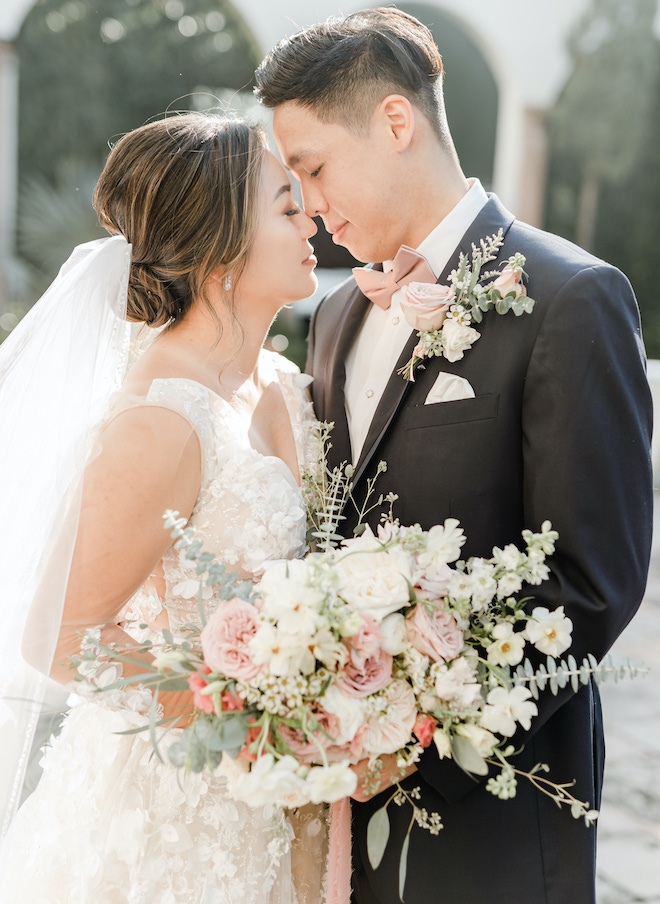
pixel 444 314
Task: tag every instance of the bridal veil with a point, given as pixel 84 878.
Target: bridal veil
pixel 58 369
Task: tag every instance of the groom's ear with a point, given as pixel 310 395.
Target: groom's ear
pixel 395 116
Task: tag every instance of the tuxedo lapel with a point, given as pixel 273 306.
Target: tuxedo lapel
pixel 490 219
pixel 334 407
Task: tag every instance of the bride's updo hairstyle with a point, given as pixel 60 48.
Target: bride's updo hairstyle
pixel 183 191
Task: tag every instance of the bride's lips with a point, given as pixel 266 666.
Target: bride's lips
pixel 310 261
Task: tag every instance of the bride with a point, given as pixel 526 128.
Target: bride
pixel 208 245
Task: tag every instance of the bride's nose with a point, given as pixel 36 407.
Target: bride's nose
pixel 309 227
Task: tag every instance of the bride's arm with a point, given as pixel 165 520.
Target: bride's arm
pixel 149 462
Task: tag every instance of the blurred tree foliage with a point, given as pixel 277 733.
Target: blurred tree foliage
pixel 90 71
pixel 604 177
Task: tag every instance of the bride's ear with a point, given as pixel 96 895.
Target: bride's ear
pixel 222 276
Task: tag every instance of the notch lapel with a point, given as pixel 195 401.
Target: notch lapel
pixel 492 217
pixel 334 408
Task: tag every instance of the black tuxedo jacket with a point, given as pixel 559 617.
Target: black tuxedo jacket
pixel 559 429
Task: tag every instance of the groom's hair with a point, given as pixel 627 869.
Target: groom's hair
pixel 341 69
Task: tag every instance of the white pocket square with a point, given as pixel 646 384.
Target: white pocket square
pixel 449 388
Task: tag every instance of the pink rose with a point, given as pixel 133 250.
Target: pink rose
pixel 509 281
pixel 436 635
pixel 424 728
pixel 306 748
pixel 389 731
pixel 226 638
pixel 366 642
pixel 197 683
pixel 425 305
pixel 433 587
pixel 364 676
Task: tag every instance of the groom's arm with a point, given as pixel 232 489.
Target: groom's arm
pixel 586 420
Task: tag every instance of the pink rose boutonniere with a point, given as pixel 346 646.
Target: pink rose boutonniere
pixel 443 315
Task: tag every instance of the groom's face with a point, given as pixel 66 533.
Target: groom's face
pixel 349 180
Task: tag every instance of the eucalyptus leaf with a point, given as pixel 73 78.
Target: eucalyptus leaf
pixel 378 833
pixel 229 735
pixel 467 756
pixel 403 865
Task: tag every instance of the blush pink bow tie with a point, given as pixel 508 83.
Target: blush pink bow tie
pixel 408 266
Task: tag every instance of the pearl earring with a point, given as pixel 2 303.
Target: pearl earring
pixel 227 283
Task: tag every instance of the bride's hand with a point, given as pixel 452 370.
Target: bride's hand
pixel 389 776
pixel 177 706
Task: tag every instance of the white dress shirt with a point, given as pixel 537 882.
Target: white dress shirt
pixel 383 334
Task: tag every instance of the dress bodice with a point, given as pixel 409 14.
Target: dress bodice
pixel 250 508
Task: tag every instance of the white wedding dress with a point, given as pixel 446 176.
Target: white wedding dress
pixel 108 822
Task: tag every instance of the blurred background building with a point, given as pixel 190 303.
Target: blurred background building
pixel 554 106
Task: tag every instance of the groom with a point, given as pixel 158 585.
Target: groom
pixel 547 416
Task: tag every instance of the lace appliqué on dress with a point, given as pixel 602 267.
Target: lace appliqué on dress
pixel 109 823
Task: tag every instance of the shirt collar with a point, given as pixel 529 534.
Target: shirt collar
pixel 441 242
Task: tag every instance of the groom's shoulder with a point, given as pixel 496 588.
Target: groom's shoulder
pixel 553 262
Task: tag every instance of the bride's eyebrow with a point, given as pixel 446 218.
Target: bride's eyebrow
pixel 283 189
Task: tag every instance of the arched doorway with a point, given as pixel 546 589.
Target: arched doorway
pixel 471 93
pixel 90 71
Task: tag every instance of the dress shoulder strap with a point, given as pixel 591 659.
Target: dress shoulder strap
pixel 194 402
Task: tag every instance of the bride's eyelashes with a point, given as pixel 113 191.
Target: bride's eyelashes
pixel 292 212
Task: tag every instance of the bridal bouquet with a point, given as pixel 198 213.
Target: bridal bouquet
pixel 385 644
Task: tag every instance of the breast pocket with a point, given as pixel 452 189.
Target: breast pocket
pixel 460 411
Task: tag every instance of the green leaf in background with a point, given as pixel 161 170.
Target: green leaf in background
pixel 378 833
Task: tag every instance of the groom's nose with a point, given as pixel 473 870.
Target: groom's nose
pixel 313 200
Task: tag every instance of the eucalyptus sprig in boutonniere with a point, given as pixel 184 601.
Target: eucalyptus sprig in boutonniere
pixel 444 314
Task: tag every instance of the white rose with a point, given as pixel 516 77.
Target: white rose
pixel 393 630
pixel 270 782
pixel 374 581
pixel 349 710
pixel 457 339
pixel 330 783
pixel 442 743
pixel 481 739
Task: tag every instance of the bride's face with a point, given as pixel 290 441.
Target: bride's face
pixel 280 264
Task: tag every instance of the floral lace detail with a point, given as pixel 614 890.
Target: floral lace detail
pixel 250 509
pixel 109 823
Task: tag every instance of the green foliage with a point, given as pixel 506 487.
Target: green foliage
pixel 606 128
pixel 91 71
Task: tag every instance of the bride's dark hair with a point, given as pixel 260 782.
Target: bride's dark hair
pixel 183 191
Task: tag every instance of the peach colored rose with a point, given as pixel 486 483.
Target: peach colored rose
pixel 388 731
pixel 366 642
pixel 306 749
pixel 226 637
pixel 436 635
pixel 196 683
pixel 424 728
pixel 363 676
pixel 425 305
pixel 509 281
